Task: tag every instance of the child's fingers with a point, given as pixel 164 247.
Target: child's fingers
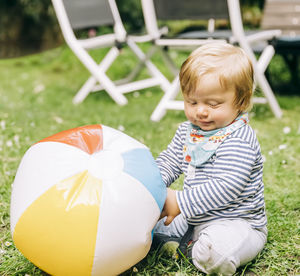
pixel 163 214
pixel 168 220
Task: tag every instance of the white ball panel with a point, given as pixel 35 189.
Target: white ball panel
pixel 105 164
pixel 119 141
pixel 128 213
pixel 43 166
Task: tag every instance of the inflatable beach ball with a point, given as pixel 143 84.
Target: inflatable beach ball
pixel 84 202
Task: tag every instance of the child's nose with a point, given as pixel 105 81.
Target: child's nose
pixel 202 111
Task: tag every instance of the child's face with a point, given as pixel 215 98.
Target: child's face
pixel 210 106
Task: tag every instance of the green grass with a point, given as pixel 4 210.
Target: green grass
pixel 36 94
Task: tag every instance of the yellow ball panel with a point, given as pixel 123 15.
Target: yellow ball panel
pixel 58 231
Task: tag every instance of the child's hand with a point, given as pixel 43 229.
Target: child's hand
pixel 171 208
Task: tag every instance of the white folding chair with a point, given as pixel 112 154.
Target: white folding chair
pixel 155 10
pixel 77 14
pixel 285 15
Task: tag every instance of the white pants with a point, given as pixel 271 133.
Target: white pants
pixel 221 246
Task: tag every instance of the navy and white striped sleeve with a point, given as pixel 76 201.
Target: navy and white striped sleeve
pixel 232 169
pixel 169 161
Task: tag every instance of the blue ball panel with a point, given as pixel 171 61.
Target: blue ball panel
pixel 140 164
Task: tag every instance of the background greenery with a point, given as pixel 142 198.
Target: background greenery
pixel 30 26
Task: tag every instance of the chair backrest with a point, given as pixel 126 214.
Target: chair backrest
pixel 191 9
pixel 78 14
pixel 209 10
pixel 283 15
pixel 88 13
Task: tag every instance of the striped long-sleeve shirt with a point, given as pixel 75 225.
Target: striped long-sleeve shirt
pixel 228 185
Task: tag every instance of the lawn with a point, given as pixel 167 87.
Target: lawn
pixel 36 101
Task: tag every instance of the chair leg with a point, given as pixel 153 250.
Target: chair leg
pixel 98 72
pixel 266 89
pixel 138 68
pixel 169 62
pixel 85 90
pixel 168 98
pixel 90 84
pixel 265 58
pixel 164 83
pixel 262 65
pixel 133 74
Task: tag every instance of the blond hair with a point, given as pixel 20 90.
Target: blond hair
pixel 228 63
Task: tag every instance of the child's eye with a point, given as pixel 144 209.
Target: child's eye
pixel 192 102
pixel 213 104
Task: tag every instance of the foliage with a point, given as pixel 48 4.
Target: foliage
pixel 27 26
pixel 35 26
pixel 253 3
pixel 36 101
pixel 131 13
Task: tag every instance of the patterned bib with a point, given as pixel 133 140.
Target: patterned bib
pixel 200 145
